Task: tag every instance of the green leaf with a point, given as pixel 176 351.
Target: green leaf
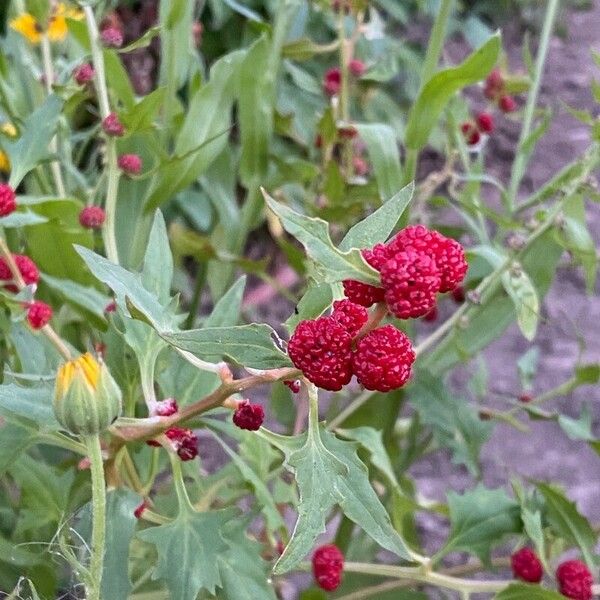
pixel 30 404
pixel 525 591
pixel 479 519
pixel 143 41
pixel 20 219
pixel 248 345
pixel 31 147
pixel 142 115
pixel 329 472
pixel 227 310
pixel 14 440
pixel 384 154
pixel 157 270
pixel 569 523
pixel 304 49
pixel 378 226
pixel 436 93
pixel 532 523
pixel 455 423
pixel 524 296
pixel 189 549
pixel 317 298
pixel 313 233
pixel 578 429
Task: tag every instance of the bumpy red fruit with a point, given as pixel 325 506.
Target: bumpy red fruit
pixel 507 104
pixel 185 442
pixel 249 416
pixel 575 580
pixel 112 125
pixel 350 316
pixel 92 217
pixel 130 164
pixel 411 281
pixel 38 314
pixel 357 67
pixel 332 81
pixel 322 350
pixel 383 359
pixel 83 73
pixel 328 565
pixel 362 293
pixel 165 408
pixel 27 268
pixel 447 253
pixel 111 37
pixel 485 122
pixel 8 200
pixel 527 566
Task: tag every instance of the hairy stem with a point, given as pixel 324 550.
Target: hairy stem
pixel 98 516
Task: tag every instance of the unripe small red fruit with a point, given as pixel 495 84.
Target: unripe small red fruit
pixel 350 316
pixel 111 307
pixel 348 133
pixel 332 81
pixel 185 442
pixel 8 200
pixel 507 104
pixel 485 122
pixel 328 565
pixel 130 164
pixel 249 416
pixel 293 384
pixel 92 217
pixel 458 294
pixel 575 580
pixel 165 408
pixel 111 37
pixel 357 67
pixel 494 85
pixel 112 126
pixel 27 268
pixel 38 314
pixel 84 73
pixel 470 133
pixel 527 566
pixel 139 510
pixel 525 397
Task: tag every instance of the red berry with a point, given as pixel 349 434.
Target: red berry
pixel 470 132
pixel 112 125
pixel 137 513
pixel 332 81
pixel 322 350
pixel 432 315
pixel 8 200
pixel 110 307
pixel 362 293
pixel 328 565
pixel 527 566
pixel 458 294
pixel 360 165
pixel 507 104
pixel 485 122
pixel 350 316
pixel 447 253
pixel 357 67
pixel 575 580
pixel 411 280
pixel 131 164
pixel 293 384
pixel 84 73
pixel 38 314
pixel 165 408
pixel 27 268
pixel 525 397
pixel 348 132
pixel 112 37
pixel 494 85
pixel 383 359
pixel 92 217
pixel 185 442
pixel 248 416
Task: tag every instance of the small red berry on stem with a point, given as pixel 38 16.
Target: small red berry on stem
pixel 525 397
pixel 165 408
pixel 185 442
pixel 139 510
pixel 527 566
pixel 332 81
pixel 349 315
pixel 27 268
pixel 485 122
pixel 322 350
pixel 471 133
pixel 84 73
pixel 111 307
pixel 494 85
pixel 293 384
pixel 357 67
pixel 328 565
pixel 111 37
pixel 507 104
pixel 8 200
pixel 383 359
pixel 112 126
pixel 92 217
pixel 575 580
pixel 249 416
pixel 130 164
pixel 38 314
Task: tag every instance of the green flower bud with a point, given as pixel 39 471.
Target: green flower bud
pixel 86 397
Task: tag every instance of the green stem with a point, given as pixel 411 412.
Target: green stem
pixel 195 303
pixel 98 516
pixel 436 41
pixel 185 504
pixel 410 165
pixel 98 60
pixel 521 157
pixel 313 409
pixel 351 408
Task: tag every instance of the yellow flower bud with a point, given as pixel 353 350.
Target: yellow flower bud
pixel 87 399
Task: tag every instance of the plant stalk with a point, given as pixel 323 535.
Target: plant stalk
pixel 436 41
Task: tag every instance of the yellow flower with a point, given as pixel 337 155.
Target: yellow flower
pixel 56 29
pixel 85 365
pixel 4 162
pixel 8 129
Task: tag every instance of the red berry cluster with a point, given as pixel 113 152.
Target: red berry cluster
pixel 483 124
pixel 38 314
pixel 112 126
pixel 248 416
pixel 92 217
pixel 332 80
pixel 112 37
pixel 183 441
pixel 495 90
pixel 574 578
pixel 84 73
pixel 8 200
pixel 327 566
pixel 165 408
pixel 130 164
